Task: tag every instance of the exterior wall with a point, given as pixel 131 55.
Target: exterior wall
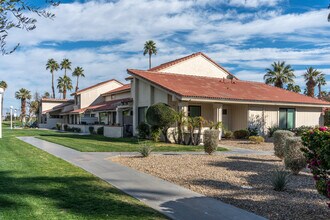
pixel 113 132
pixel 239 117
pixel 197 66
pixel 309 117
pixel 85 128
pixel 159 96
pixel 118 96
pixel 51 123
pixel 144 91
pixel 90 96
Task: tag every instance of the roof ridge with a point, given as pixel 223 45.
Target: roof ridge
pixel 96 85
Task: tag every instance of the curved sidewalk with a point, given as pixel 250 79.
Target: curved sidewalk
pixel 170 199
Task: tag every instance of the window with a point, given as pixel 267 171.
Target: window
pixel 224 111
pixel 114 116
pixel 194 111
pixel 142 114
pixel 103 117
pixel 287 118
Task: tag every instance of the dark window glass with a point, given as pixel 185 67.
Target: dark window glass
pixel 287 118
pixel 194 111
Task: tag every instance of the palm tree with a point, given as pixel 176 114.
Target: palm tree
pixel 279 75
pixel 66 65
pixel 64 83
pixel 310 76
pixel 78 72
pixel 3 85
pixel 23 95
pixel 46 95
pixel 52 65
pixel 293 88
pixel 150 48
pixel 320 81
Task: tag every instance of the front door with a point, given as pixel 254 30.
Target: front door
pixel 225 121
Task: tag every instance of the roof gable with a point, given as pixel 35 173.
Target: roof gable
pixel 197 64
pixel 96 85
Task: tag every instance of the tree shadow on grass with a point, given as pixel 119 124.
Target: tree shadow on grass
pixel 78 195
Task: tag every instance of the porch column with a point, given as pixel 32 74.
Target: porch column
pixel 217 115
pixel 119 116
pixel 135 95
pixel 183 106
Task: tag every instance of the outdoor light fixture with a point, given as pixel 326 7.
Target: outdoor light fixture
pixel 11 117
pixel 1 93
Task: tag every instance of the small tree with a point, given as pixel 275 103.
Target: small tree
pixel 161 115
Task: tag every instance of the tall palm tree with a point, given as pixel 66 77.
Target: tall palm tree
pixel 3 85
pixel 310 76
pixel 64 83
pixel 78 72
pixel 46 95
pixel 150 48
pixel 66 65
pixel 52 65
pixel 23 95
pixel 320 81
pixel 293 88
pixel 279 75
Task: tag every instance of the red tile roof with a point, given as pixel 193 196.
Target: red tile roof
pixel 123 88
pixel 54 100
pixel 217 88
pixel 96 85
pixel 171 63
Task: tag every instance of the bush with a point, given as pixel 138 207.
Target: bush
pixel 327 118
pixel 65 127
pixel 317 152
pixel 145 150
pixel 78 130
pixel 280 179
pixel 155 133
pixel 58 126
pixel 241 134
pixel 100 131
pixel 211 141
pixel 256 139
pixel 294 158
pixel 228 135
pixel 300 130
pixel 253 131
pixel 280 137
pixel 271 130
pixel 143 130
pixel 161 115
pixel 91 130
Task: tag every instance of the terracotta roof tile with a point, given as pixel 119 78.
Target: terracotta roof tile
pixel 171 63
pixel 118 90
pixel 96 85
pixel 218 88
pixel 54 100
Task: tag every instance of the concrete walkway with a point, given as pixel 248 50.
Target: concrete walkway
pixel 172 200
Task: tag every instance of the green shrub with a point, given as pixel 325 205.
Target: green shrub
pixel 300 130
pixel 91 130
pixel 228 135
pixel 66 127
pixel 280 137
pixel 280 179
pixel 143 130
pixel 161 115
pixel 317 152
pixel 58 126
pixel 327 118
pixel 272 129
pixel 211 141
pixel 256 139
pixel 241 134
pixel 78 130
pixel 100 131
pixel 253 131
pixel 145 150
pixel 155 133
pixel 294 158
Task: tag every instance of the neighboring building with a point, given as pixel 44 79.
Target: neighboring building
pixel 200 87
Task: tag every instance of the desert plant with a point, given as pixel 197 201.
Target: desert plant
pixel 65 127
pixel 155 133
pixel 241 134
pixel 211 141
pixel 100 131
pixel 317 152
pixel 271 130
pixel 161 115
pixel 143 130
pixel 300 130
pixel 58 126
pixel 256 139
pixel 91 130
pixel 145 150
pixel 228 134
pixel 327 118
pixel 280 137
pixel 280 179
pixel 294 158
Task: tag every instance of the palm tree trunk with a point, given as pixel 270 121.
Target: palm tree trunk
pixel 320 95
pixel 149 60
pixel 77 84
pixel 1 105
pixel 23 109
pixel 64 92
pixel 53 89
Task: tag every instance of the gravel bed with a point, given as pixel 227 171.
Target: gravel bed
pixel 228 178
pixel 266 146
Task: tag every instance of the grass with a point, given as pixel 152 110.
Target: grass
pixel 37 185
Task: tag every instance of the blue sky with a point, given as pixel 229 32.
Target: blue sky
pixel 107 37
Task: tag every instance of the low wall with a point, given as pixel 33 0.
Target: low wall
pixel 85 128
pixel 113 131
pixel 51 123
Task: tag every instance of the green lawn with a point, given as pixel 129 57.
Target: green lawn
pixel 37 185
pixel 98 143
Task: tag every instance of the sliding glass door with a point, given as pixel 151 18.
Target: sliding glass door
pixel 287 118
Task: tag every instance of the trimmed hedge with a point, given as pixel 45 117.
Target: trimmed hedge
pixel 280 137
pixel 294 158
pixel 241 134
pixel 256 139
pixel 211 141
